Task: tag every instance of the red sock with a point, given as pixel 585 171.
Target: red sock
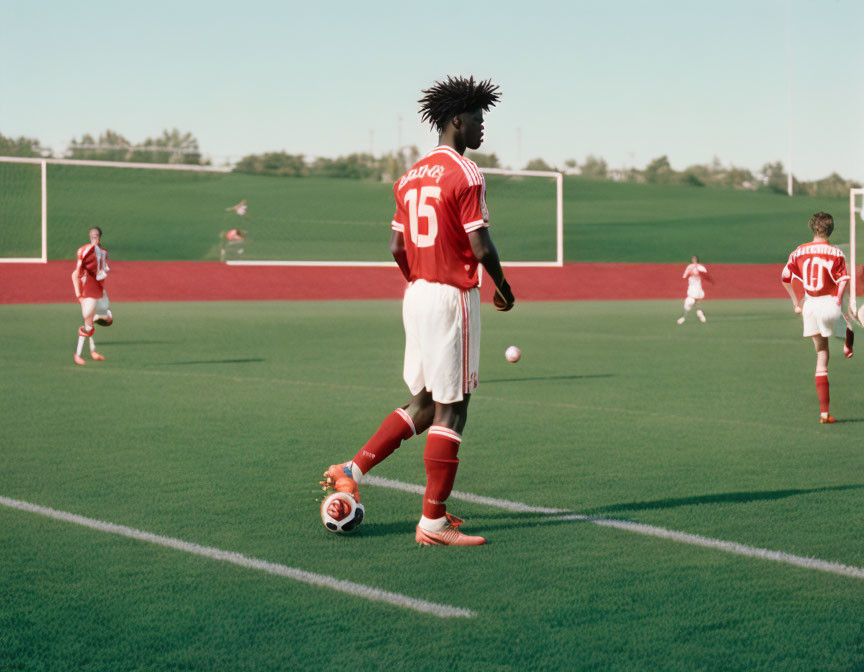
pixel 396 428
pixel 442 445
pixel 822 391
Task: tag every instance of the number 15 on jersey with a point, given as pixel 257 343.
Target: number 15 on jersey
pixel 422 220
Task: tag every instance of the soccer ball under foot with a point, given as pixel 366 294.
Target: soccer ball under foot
pixel 340 512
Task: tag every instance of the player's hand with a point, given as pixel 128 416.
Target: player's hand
pixel 503 298
pixel 797 309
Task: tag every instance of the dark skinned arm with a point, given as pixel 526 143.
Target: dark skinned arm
pixel 397 249
pixel 485 252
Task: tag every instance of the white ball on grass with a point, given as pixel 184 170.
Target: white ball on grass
pixel 513 354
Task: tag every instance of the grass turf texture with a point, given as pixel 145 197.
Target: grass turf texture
pixel 211 422
pixel 176 216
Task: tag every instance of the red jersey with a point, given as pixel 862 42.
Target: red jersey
pixel 439 201
pixel 820 267
pixel 91 269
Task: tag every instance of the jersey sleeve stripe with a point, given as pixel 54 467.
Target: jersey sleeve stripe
pixel 476 224
pixel 476 171
pixel 396 226
pixel 457 158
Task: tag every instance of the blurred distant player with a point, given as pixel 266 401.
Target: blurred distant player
pixel 821 268
pixel 439 234
pixel 234 238
pixel 240 208
pixel 694 273
pixel 88 279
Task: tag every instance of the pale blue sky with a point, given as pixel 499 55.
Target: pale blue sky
pixel 625 80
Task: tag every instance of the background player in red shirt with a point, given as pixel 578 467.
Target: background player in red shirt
pixel 821 268
pixel 439 234
pixel 87 279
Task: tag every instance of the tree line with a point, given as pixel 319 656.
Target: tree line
pixel 770 177
pixel 172 146
pixel 175 146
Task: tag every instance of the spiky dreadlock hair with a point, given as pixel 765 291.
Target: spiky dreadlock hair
pixel 445 100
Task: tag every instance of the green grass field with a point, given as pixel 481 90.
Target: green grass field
pixel 169 215
pixel 211 422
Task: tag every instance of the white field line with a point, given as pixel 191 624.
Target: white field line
pixel 517 507
pixel 638 528
pixel 321 580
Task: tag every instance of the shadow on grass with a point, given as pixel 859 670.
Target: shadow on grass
pixel 516 380
pixel 111 344
pixel 212 361
pixel 720 498
pixel 480 523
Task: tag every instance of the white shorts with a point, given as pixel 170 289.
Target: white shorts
pixel 695 293
pixel 820 315
pixel 442 340
pixel 91 307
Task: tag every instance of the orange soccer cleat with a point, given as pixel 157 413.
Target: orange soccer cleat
pixel 339 478
pixel 449 536
pixel 826 419
pixel 95 355
pixel 79 359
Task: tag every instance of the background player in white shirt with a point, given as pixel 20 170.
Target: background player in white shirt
pixel 821 268
pixel 694 273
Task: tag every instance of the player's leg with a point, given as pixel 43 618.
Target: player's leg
pixel 689 302
pixel 455 378
pixel 102 311
pixel 403 423
pixel 822 391
pixel 88 309
pixel 437 527
pixel 442 462
pixel 699 312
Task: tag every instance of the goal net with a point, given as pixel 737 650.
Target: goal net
pixel 204 213
pixel 23 210
pixel 332 222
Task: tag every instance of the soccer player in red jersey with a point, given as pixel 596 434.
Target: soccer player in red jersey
pixel 821 268
pixel 439 235
pixel 87 279
pixel 694 274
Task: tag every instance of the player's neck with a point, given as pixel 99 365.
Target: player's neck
pixel 820 239
pixel 452 141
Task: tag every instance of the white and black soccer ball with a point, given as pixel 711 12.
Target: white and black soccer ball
pixel 340 512
pixel 105 320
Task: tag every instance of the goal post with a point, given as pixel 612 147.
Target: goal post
pixel 558 260
pixel 43 210
pixel 856 210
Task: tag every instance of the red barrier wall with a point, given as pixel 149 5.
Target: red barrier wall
pixel 211 281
